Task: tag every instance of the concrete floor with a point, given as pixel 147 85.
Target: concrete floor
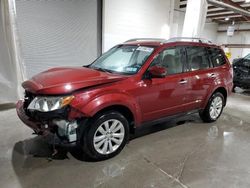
pixel 193 154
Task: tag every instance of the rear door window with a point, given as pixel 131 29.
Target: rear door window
pixel 197 58
pixel 216 56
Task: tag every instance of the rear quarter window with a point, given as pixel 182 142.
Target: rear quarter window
pixel 216 56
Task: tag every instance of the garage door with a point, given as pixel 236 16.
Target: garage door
pixel 58 33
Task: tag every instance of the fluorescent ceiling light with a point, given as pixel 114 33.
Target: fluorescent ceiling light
pixel 227 18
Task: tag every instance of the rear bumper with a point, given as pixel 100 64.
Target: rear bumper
pixel 33 124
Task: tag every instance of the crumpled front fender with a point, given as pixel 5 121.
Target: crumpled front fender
pixel 107 100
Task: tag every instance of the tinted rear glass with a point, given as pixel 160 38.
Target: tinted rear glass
pixel 216 56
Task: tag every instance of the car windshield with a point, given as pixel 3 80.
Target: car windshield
pixel 123 59
pixel 247 57
pixel 246 60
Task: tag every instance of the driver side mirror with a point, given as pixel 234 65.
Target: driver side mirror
pixel 157 72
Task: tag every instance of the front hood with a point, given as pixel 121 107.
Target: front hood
pixel 67 79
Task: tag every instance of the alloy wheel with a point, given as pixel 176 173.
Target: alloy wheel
pixel 216 107
pixel 109 136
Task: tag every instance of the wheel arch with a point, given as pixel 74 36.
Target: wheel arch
pixel 223 91
pixel 120 102
pixel 220 89
pixel 124 110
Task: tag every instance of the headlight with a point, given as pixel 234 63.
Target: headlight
pixel 46 104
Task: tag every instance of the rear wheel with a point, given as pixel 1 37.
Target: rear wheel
pixel 214 108
pixel 107 135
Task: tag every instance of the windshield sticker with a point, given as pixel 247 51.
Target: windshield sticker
pixel 145 49
pixel 131 69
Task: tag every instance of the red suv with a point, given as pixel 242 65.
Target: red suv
pixel 139 82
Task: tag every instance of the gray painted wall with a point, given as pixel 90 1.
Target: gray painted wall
pixel 58 33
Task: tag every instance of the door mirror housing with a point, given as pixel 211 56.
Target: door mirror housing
pixel 157 72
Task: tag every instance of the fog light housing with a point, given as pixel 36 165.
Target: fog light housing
pixel 67 129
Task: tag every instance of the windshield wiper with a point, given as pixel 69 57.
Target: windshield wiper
pixel 102 69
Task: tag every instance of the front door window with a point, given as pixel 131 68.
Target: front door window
pixel 171 59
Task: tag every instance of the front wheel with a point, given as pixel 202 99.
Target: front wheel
pixel 214 108
pixel 107 135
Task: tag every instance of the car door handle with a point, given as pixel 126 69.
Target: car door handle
pixel 212 75
pixel 183 81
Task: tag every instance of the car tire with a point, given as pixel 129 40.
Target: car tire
pixel 214 108
pixel 106 136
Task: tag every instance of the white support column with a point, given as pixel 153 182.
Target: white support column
pixel 195 18
pixel 12 72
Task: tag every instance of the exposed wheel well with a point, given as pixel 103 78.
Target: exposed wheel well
pixel 223 91
pixel 124 111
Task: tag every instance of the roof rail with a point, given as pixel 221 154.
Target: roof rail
pixel 189 39
pixel 175 39
pixel 146 39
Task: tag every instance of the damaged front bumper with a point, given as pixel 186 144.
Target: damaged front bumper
pixel 57 122
pixel 35 125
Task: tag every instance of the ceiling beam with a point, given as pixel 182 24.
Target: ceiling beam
pixel 230 5
pixel 217 11
pixel 224 10
pixel 236 30
pixel 236 10
pixel 235 19
pixel 230 2
pixel 219 21
pixel 211 7
pixel 226 23
pixel 224 15
pixel 236 4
